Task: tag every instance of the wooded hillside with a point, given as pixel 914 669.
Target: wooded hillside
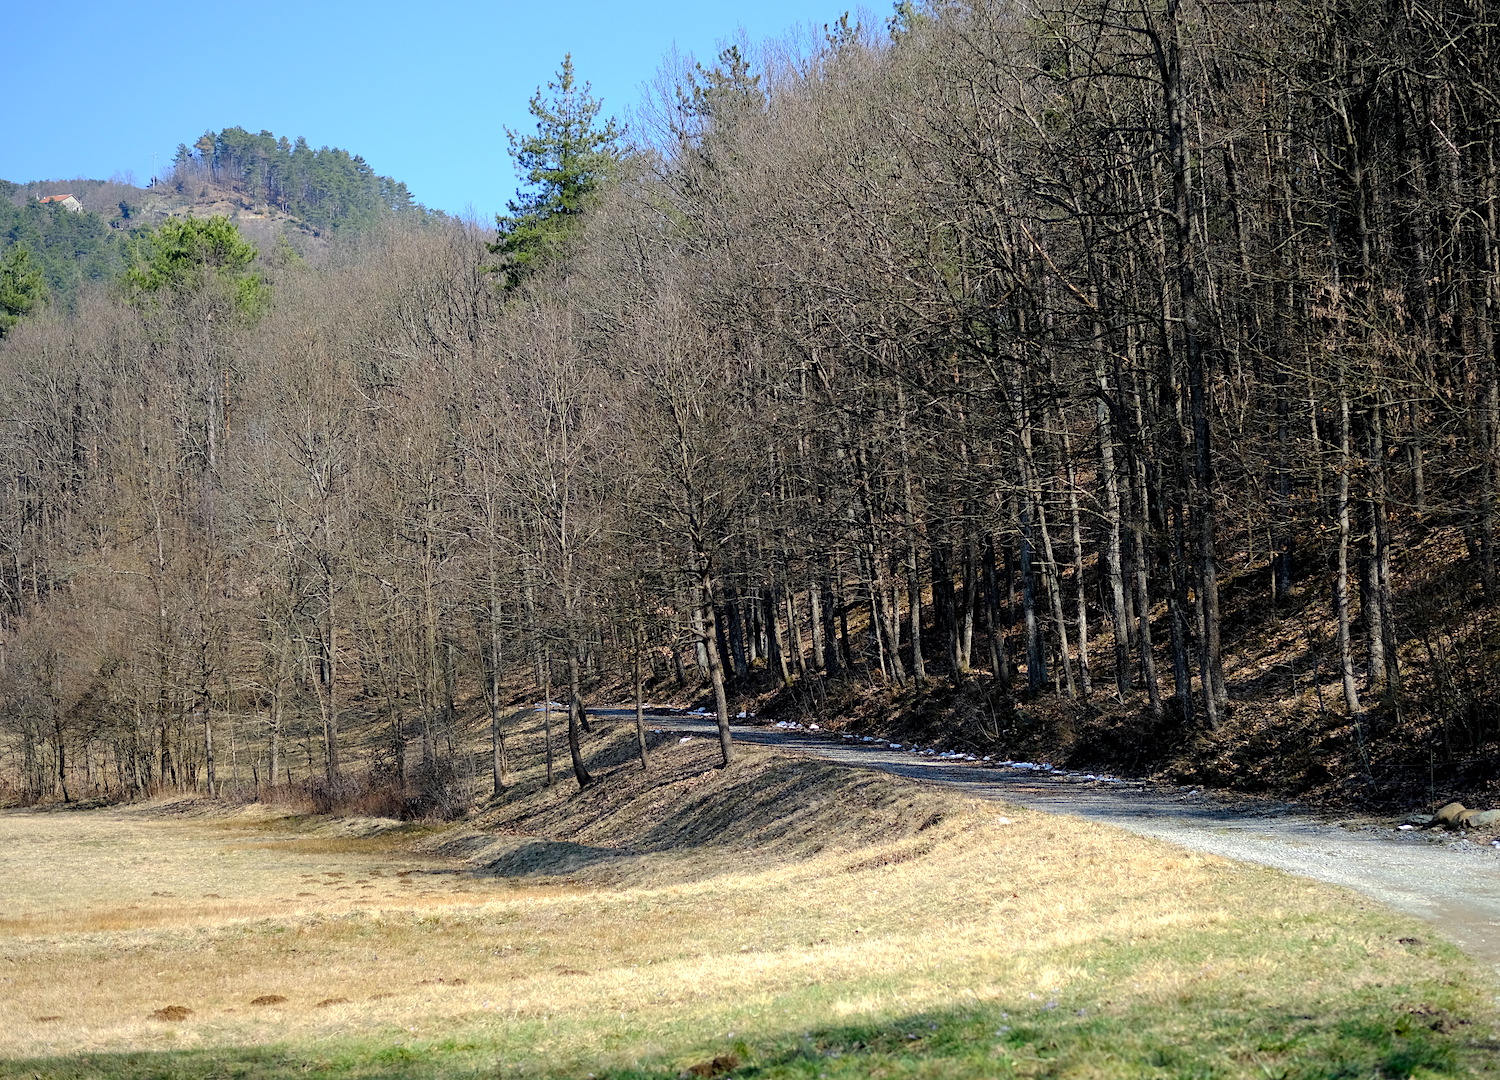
pixel 278 191
pixel 1120 377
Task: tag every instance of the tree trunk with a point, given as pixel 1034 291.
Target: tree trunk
pixel 575 716
pixel 547 717
pixel 638 641
pixel 1341 580
pixel 715 665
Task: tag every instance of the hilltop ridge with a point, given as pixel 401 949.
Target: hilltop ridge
pixel 274 191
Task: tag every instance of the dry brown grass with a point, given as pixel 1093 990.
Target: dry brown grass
pixel 624 923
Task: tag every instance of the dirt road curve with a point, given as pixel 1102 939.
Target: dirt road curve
pixel 1452 883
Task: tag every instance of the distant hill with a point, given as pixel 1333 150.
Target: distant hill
pixel 272 188
pixel 329 189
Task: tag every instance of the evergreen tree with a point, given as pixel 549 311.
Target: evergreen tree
pixel 187 254
pixel 717 98
pixel 67 249
pixel 564 163
pixel 21 287
pixel 725 88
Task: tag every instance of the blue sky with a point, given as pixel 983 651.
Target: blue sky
pixel 424 90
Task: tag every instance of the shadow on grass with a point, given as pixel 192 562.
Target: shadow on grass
pixel 550 857
pixel 1051 1038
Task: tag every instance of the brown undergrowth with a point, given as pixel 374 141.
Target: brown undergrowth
pixel 1287 732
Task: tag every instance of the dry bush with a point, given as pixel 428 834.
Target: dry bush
pixel 434 791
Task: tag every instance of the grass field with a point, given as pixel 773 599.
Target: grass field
pixel 783 918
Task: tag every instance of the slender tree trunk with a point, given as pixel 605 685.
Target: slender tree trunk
pixel 274 735
pixel 547 716
pixel 1079 585
pixel 775 639
pixel 794 632
pixel 1036 649
pixel 1143 634
pixel 1177 601
pixel 575 716
pixel 638 641
pixel 819 652
pixel 715 666
pixel 1054 585
pixel 736 633
pixel 1341 581
pixel 999 662
pixel 832 661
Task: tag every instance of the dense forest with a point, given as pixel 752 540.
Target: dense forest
pixel 1118 379
pixel 71 250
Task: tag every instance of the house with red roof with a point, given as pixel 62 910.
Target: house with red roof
pixel 66 201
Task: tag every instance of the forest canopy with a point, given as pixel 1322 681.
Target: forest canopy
pixel 1114 382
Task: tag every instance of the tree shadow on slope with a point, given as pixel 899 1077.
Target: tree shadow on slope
pixel 766 806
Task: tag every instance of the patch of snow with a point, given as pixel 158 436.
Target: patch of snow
pixel 685 738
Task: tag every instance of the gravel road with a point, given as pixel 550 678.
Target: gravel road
pixel 1451 882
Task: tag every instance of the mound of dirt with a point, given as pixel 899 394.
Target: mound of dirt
pixel 766 806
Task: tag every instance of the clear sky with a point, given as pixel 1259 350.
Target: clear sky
pixel 423 90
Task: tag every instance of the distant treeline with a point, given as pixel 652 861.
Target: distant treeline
pixel 330 189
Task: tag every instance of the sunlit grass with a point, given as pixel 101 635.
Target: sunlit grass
pixel 987 943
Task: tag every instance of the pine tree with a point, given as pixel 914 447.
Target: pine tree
pixel 187 254
pixel 21 287
pixel 564 163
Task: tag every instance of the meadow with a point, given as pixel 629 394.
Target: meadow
pixel 782 918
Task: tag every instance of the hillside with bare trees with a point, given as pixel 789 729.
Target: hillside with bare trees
pixel 1115 381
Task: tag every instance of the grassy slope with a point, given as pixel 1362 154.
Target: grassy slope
pixel 782 917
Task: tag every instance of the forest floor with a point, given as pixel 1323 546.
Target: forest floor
pixel 1449 879
pixel 784 917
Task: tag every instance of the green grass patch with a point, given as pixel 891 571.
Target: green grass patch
pixel 1176 1006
